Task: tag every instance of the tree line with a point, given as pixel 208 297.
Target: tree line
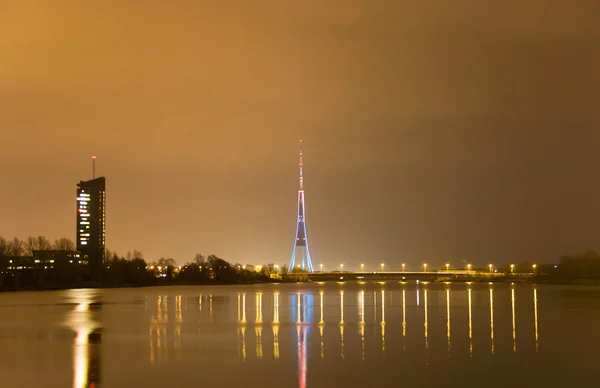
pixel 126 270
pixel 18 248
pixel 583 268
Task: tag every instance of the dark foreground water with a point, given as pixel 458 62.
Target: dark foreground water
pixel 303 335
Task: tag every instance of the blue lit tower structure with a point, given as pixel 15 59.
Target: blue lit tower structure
pixel 301 253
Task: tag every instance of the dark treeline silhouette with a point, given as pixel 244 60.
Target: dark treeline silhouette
pixel 19 248
pixel 582 268
pixel 36 263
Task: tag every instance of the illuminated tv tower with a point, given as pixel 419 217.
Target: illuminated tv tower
pixel 301 253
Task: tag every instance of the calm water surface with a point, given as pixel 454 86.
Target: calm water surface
pixel 303 335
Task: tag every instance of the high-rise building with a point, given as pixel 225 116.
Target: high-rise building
pixel 91 223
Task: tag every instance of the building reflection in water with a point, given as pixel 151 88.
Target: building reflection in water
pixel 85 321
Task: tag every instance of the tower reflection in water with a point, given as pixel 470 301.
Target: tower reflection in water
pixel 85 321
pixel 303 304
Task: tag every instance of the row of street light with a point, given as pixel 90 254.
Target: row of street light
pixel 469 267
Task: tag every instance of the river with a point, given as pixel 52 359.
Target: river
pixel 351 334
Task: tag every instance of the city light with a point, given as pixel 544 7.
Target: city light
pixel 382 267
pixel 403 266
pixel 321 265
pixel 468 267
pixel 362 267
pixel 512 268
pixel 425 267
pixel 447 267
pixel 341 267
pixel 491 266
pixel 534 266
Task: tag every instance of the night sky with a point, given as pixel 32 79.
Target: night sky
pixel 435 131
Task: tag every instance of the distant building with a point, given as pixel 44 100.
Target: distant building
pixel 11 263
pixel 46 268
pixel 91 223
pixel 49 259
pixel 42 260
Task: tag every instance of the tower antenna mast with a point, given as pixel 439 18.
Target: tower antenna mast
pixel 301 254
pixel 300 165
pixel 93 167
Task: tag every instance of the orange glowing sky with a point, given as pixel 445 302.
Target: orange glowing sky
pixel 433 131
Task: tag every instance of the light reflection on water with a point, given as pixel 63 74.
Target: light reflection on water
pixel 301 307
pixel 83 319
pixel 307 332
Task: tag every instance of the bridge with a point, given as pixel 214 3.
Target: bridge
pixel 432 276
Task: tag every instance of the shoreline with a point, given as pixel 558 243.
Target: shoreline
pixel 536 281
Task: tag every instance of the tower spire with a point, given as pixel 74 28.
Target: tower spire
pixel 93 167
pixel 300 165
